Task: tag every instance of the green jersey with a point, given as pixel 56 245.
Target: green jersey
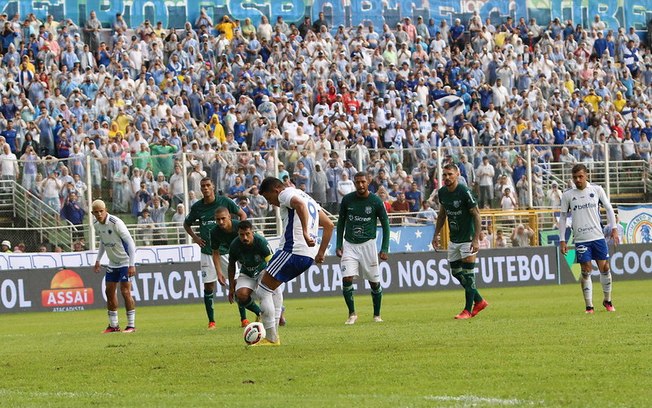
pixel 458 204
pixel 221 240
pixel 358 219
pixel 252 257
pixel 205 214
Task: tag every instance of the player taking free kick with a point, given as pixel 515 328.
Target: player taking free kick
pixel 582 202
pixel 297 248
pixel 461 210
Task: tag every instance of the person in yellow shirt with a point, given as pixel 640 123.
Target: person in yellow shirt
pixel 216 130
pixel 593 99
pixel 226 27
pixel 620 101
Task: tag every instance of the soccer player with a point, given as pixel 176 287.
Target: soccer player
pixel 252 252
pixel 222 236
pixel 464 224
pixel 582 202
pixel 356 243
pixel 301 216
pixel 120 248
pixel 204 212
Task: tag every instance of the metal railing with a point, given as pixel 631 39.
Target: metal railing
pixel 38 220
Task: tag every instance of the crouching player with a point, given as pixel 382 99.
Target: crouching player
pixel 301 216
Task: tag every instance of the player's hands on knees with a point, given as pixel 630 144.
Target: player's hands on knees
pixel 563 248
pixel 221 279
pixel 338 252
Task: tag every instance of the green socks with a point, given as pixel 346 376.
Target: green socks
pixel 377 298
pixel 251 306
pixel 208 303
pixel 347 291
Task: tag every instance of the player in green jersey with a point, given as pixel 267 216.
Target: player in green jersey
pixel 203 211
pixel 252 252
pixel 222 236
pixel 461 210
pixel 356 243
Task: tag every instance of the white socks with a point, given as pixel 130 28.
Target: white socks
pixel 265 297
pixel 113 318
pixel 587 289
pixel 605 280
pixel 131 318
pixel 277 297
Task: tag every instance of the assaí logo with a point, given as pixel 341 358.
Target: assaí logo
pixel 67 292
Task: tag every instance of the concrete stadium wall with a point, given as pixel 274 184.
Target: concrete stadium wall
pixel 78 288
pixel 174 13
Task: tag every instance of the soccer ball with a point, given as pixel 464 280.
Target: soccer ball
pixel 253 333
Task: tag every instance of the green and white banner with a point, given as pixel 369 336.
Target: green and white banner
pixel 636 221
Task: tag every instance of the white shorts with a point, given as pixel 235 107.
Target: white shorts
pixel 358 258
pixel 460 251
pixel 208 272
pixel 245 281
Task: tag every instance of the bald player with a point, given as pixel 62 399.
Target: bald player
pixel 119 247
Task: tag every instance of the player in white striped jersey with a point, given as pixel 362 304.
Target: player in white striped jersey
pixel 119 246
pixel 583 202
pixel 297 250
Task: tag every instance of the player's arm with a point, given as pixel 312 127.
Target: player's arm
pixel 611 215
pixel 232 260
pixel 100 254
pixel 562 224
pixel 477 223
pixel 341 225
pixel 215 246
pixel 125 236
pixel 302 211
pixel 327 233
pixel 441 219
pixel 187 226
pixel 384 222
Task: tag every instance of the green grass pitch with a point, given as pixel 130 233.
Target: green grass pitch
pixel 532 346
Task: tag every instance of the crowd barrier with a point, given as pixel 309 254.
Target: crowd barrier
pixel 78 288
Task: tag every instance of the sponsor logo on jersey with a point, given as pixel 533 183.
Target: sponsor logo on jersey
pixel 584 206
pixel 67 292
pixel 639 229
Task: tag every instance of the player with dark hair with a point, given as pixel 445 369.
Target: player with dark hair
pixel 356 243
pixel 252 252
pixel 120 248
pixel 460 208
pixel 225 232
pixel 297 251
pixel 204 212
pixel 583 202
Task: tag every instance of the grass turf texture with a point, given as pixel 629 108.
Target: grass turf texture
pixel 533 346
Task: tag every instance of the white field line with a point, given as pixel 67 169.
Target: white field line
pixel 473 400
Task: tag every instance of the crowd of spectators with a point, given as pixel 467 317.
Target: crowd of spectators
pixel 327 101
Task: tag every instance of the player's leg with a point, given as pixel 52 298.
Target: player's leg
pixel 350 266
pixel 111 303
pixel 471 290
pixel 224 261
pixel 584 259
pixel 455 264
pixel 600 252
pixel 277 297
pixel 244 289
pixel 209 276
pixel 369 267
pixel 130 305
pixel 283 267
